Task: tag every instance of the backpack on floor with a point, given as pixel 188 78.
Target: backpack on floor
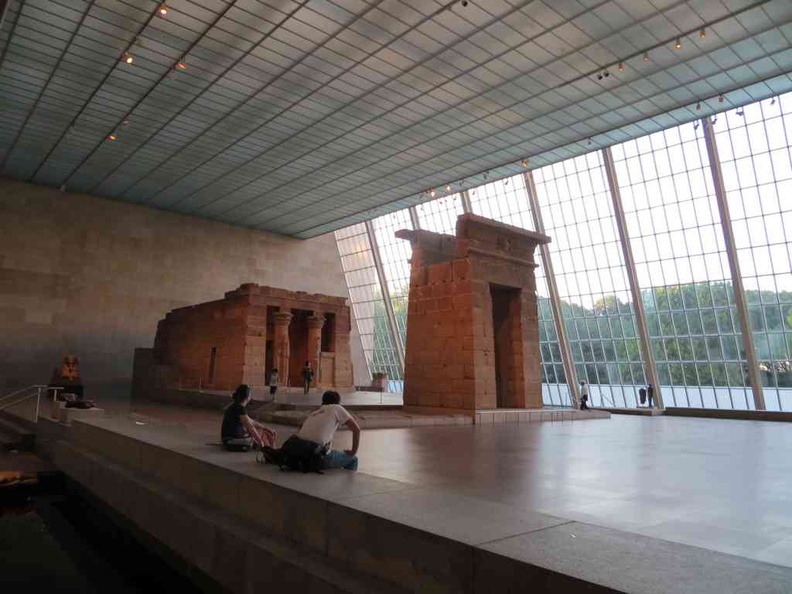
pixel 296 454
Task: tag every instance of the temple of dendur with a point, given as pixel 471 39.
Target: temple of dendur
pixel 239 340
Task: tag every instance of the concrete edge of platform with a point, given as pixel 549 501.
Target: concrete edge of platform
pixel 538 415
pixel 325 518
pixel 740 415
pixel 643 412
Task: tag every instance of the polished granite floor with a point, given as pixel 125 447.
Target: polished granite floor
pixel 719 484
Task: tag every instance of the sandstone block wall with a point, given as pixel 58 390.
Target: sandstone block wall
pixel 456 284
pixel 237 328
pixel 92 277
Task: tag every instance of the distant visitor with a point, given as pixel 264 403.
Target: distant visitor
pixel 584 395
pixel 273 383
pixel 308 375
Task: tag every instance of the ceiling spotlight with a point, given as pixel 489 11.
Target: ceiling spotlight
pixel 678 44
pixel 702 32
pixel 589 141
pixel 698 106
pixel 163 10
pixel 621 66
pixel 111 137
pixel 506 182
pixel 125 121
pixel 696 125
pixel 485 175
pixel 128 58
pixel 740 112
pixel 714 119
pixel 773 101
pixel 599 76
pixel 646 56
pixel 448 187
pixel 432 193
pixel 181 65
pixel 464 2
pixel 720 98
pixel 525 162
pixel 606 74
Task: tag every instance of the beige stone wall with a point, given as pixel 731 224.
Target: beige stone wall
pixel 92 277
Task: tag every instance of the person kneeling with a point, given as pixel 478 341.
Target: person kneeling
pixel 310 449
pixel 239 432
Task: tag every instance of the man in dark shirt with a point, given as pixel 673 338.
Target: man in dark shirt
pixel 239 432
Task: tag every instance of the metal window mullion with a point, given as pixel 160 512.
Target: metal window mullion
pixel 555 302
pixel 467 206
pixel 383 282
pixel 632 276
pixel 734 265
pixel 416 223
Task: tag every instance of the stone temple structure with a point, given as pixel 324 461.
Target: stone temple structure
pixel 241 338
pixel 472 332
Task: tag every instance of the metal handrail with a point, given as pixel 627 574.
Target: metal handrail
pixel 33 387
pixel 37 394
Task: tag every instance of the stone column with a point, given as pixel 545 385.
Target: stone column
pixel 281 320
pixel 315 324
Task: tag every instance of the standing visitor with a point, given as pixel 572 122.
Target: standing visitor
pixel 584 395
pixel 307 374
pixel 273 382
pixel 650 396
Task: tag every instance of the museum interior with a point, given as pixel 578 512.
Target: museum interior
pixel 540 250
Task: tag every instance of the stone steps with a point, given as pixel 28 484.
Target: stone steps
pixel 15 436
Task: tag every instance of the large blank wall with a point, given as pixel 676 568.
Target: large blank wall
pixel 92 277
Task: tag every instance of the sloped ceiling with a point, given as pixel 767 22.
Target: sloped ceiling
pixel 304 117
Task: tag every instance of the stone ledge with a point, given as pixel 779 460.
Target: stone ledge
pixel 744 415
pixel 218 543
pixel 489 417
pixel 400 533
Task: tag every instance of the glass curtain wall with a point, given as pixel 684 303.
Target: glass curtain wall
pixel 754 148
pixel 368 305
pixel 677 242
pixel 683 271
pixel 507 201
pixel 592 280
pixel 395 254
pixel 440 215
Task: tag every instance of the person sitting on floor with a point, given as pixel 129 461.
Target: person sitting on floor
pixel 310 449
pixel 239 432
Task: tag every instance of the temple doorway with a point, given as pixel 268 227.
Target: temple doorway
pixel 506 337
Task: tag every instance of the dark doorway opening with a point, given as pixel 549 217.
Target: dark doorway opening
pixel 212 366
pixel 328 334
pixel 298 346
pixel 506 338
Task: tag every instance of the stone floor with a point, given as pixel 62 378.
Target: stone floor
pixel 718 484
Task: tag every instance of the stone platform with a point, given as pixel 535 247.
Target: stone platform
pixel 632 505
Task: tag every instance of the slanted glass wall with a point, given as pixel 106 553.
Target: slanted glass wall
pixel 677 241
pixel 395 254
pixel 683 271
pixel 755 159
pixel 440 215
pixel 596 303
pixel 368 306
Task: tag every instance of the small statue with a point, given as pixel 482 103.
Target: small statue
pixel 68 378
